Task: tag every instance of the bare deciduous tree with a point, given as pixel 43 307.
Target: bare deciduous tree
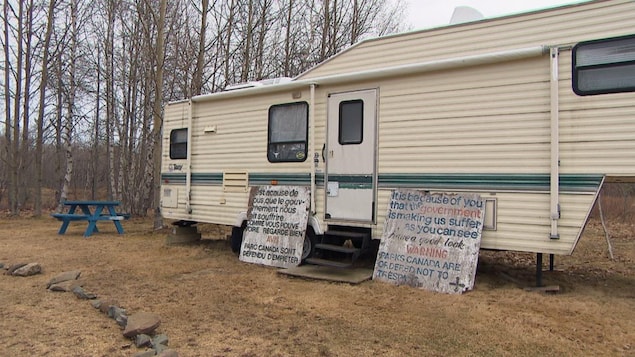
pixel 42 102
pixel 197 78
pixel 157 113
pixel 71 91
pixel 104 70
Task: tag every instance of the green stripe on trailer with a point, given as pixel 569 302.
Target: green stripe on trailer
pixel 521 182
pixel 516 182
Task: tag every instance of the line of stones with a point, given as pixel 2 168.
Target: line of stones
pixel 139 326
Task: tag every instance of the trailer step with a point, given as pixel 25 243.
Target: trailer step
pixel 337 248
pixel 334 249
pixel 330 263
pixel 346 234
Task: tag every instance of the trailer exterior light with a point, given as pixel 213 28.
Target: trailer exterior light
pixel 604 66
pixel 274 182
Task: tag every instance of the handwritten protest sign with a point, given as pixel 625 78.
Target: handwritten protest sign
pixel 277 218
pixel 431 241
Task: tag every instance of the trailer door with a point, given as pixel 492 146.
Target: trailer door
pixel 350 156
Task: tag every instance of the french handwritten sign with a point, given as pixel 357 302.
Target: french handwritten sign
pixel 431 241
pixel 277 218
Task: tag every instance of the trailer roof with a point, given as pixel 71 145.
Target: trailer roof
pixel 484 41
pixel 476 37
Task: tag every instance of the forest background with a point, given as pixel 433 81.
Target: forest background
pixel 84 82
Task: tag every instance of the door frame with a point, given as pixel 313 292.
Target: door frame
pixel 332 127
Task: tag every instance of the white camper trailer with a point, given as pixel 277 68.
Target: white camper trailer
pixel 503 107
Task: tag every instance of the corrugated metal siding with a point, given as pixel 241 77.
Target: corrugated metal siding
pixel 206 204
pixel 476 119
pixel 492 119
pixel 550 27
pixel 240 140
pixel 523 221
pixel 238 144
pixel 597 133
pixel 174 117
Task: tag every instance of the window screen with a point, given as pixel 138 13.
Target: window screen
pixel 288 132
pixel 178 144
pixel 351 129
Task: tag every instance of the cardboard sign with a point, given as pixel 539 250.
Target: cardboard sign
pixel 431 241
pixel 277 218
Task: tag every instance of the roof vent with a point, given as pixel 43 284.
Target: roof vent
pixel 264 82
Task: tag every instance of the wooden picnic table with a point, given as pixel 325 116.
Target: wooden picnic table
pixel 92 212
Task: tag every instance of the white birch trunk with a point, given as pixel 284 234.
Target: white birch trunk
pixel 68 124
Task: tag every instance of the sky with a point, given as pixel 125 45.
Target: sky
pixel 433 13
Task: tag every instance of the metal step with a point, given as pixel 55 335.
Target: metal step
pixel 337 248
pixel 333 242
pixel 346 234
pixel 360 240
pixel 331 263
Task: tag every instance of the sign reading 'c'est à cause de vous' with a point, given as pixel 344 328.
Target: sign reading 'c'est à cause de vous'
pixel 277 218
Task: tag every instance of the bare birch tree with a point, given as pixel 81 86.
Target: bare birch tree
pixel 39 143
pixel 71 91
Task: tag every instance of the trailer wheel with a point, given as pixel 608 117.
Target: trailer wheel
pixel 308 247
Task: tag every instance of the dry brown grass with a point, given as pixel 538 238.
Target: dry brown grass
pixel 211 304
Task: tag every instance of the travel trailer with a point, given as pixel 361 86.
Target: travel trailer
pixel 533 112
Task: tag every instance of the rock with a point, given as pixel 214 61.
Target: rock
pixel 115 311
pixel 183 235
pixel 106 304
pixel 64 286
pixel 159 349
pixel 122 320
pixel 28 270
pixel 13 267
pixel 168 353
pixel 141 322
pixel 142 340
pixel 65 276
pixel 1 265
pixel 126 346
pixel 148 353
pixel 81 294
pixel 96 303
pixel 161 339
pixel 118 314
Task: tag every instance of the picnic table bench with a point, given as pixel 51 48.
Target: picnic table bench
pixel 92 212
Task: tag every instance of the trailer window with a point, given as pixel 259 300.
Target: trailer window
pixel 351 122
pixel 604 66
pixel 178 144
pixel 288 132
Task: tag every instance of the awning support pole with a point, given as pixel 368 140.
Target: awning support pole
pixel 554 191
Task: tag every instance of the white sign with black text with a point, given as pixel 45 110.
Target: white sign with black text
pixel 431 240
pixel 277 218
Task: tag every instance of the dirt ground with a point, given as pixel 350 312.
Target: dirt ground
pixel 211 304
